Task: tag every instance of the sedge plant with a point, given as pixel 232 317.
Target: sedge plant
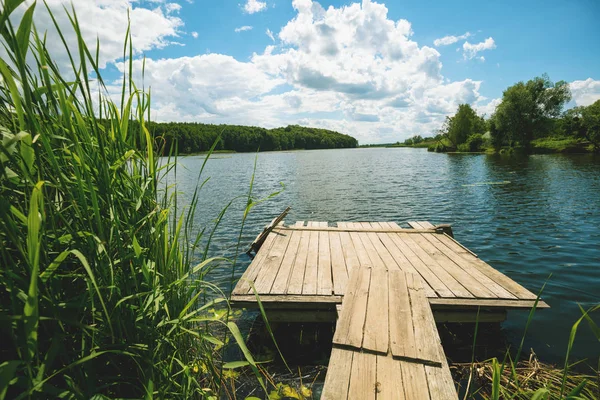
pixel 102 291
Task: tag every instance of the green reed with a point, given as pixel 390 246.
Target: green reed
pixel 99 293
pixel 525 380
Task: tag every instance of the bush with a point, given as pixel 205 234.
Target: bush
pixel 473 143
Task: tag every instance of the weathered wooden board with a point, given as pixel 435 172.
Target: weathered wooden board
pixel 315 261
pixel 388 311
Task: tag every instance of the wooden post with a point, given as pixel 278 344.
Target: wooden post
pixel 255 246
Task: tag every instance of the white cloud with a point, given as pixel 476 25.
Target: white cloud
pixel 470 50
pixel 487 108
pixel 195 35
pixel 254 6
pixel 107 21
pixel 585 92
pixel 350 69
pixel 446 40
pixel 270 34
pixel 243 28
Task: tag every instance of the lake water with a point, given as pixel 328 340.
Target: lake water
pixel 529 217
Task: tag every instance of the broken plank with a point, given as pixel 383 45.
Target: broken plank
pixel 376 331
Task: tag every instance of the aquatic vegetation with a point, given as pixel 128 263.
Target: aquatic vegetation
pixel 103 288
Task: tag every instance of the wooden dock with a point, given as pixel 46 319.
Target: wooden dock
pixel 390 286
pixel 306 268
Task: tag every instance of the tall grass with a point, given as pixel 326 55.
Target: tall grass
pixel 98 291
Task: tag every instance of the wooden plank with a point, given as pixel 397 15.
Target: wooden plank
pixel 359 309
pixel 490 303
pixel 389 379
pixel 350 256
pixel 338 264
pixel 264 280
pixel 477 288
pixel 415 381
pixel 363 378
pixel 354 309
pixel 337 380
pixel 243 286
pixel 311 273
pixel 497 276
pixel 383 254
pixel 324 282
pixel 296 281
pixel 343 325
pixel 376 331
pixel 369 245
pixel 299 315
pixel 468 316
pixel 288 301
pixel 456 287
pixel 440 281
pixel 402 338
pixel 417 225
pixel 437 303
pixel 468 267
pixel 403 262
pixel 361 252
pixel 427 340
pixel 283 275
pixel 326 228
pixel 440 382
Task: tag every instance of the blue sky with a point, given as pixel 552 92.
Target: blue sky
pixel 381 71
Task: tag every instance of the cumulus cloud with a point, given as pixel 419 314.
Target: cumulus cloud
pixel 270 34
pixel 447 40
pixel 194 35
pixel 470 50
pixel 350 68
pixel 254 6
pixel 585 92
pixel 107 21
pixel 243 28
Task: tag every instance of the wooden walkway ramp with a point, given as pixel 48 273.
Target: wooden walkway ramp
pixel 301 268
pixel 386 344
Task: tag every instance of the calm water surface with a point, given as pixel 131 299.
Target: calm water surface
pixel 534 218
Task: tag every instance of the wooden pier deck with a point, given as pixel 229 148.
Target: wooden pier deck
pixel 301 268
pixel 390 286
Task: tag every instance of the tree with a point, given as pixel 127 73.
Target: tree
pixel 463 124
pixel 590 119
pixel 526 109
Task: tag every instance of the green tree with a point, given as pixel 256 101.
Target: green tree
pixel 463 124
pixel 590 119
pixel 526 109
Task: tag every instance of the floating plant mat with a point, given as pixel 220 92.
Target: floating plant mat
pixel 488 183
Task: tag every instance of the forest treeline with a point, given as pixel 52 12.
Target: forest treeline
pixel 529 118
pixel 190 137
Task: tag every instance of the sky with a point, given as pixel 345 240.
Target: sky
pixel 379 71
